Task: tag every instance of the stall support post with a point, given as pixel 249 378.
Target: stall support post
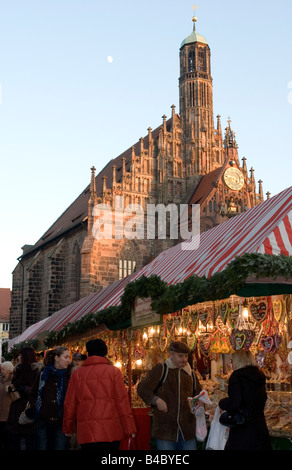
pixel 130 372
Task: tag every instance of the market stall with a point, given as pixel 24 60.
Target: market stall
pixel 232 291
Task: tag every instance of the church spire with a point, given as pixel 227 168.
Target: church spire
pixel 194 19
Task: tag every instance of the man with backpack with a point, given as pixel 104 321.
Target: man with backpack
pixel 166 388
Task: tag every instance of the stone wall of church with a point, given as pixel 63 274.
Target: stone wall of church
pixel 46 281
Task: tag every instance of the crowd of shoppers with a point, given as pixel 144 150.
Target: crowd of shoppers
pixel 60 404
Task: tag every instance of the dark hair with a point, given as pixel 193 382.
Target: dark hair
pixel 52 353
pixel 96 347
pixel 28 356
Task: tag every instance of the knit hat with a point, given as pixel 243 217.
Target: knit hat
pixel 179 347
pixel 77 355
pixel 96 347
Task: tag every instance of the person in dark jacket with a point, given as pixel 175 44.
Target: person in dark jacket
pixel 47 399
pixel 174 426
pixel 22 436
pixel 247 392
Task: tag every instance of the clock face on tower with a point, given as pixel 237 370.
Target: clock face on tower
pixel 234 178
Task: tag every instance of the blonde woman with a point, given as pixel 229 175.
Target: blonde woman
pixel 247 393
pixel 5 402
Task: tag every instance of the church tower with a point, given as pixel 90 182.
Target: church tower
pixel 196 108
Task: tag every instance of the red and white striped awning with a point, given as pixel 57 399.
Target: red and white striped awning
pixel 70 314
pixel 267 228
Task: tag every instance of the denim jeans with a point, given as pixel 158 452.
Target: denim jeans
pixel 162 444
pixel 50 436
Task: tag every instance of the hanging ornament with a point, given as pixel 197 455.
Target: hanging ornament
pixel 204 344
pixel 204 316
pixel 283 353
pixel 233 314
pixel 277 309
pixel 249 339
pixel 216 310
pixel 267 342
pixel 185 317
pixel 224 346
pixel 194 319
pixel 162 343
pixel 277 340
pixel 258 311
pixel 224 311
pixel 177 323
pixel 169 324
pixel 215 346
pixel 191 341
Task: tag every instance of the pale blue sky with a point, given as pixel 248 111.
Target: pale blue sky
pixel 65 107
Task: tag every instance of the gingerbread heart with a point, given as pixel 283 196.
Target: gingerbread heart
pixel 232 340
pixel 163 343
pixel 277 309
pixel 185 318
pixel 277 340
pixel 249 338
pixel 204 316
pixel 191 341
pixel 239 341
pixel 177 322
pixel 169 324
pixel 283 353
pixel 224 311
pixel 204 344
pixel 194 316
pixel 259 311
pixel 267 343
pixel 233 316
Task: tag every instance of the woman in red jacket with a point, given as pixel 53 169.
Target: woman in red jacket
pixel 97 401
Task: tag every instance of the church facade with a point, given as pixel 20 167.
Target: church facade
pixel 187 160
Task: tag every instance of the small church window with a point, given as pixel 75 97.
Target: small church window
pixel 126 267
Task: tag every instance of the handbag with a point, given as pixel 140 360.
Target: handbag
pixel 232 419
pixel 14 394
pixel 23 419
pixel 218 433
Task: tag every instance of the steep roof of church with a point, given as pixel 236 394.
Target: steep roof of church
pixel 77 212
pixel 205 186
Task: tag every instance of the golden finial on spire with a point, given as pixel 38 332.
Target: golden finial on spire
pixel 194 19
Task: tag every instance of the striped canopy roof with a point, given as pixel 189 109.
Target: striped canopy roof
pixel 267 228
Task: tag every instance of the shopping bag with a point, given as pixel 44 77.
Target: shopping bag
pixel 218 434
pixel 201 426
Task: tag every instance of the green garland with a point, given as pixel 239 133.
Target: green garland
pixel 15 350
pixel 168 299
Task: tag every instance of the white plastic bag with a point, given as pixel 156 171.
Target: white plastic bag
pixel 218 434
pixel 198 409
pixel 201 426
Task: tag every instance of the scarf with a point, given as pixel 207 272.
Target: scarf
pixel 187 368
pixel 61 387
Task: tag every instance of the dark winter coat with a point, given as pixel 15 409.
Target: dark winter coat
pixel 23 380
pixel 175 390
pixel 247 391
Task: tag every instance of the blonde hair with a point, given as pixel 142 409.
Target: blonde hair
pixel 243 358
pixel 7 365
